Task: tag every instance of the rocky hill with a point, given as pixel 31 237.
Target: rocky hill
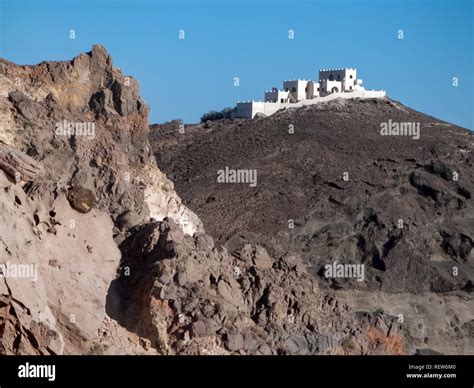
pixel 99 256
pixel 77 173
pixel 331 188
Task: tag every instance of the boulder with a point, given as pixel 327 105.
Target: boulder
pixel 81 199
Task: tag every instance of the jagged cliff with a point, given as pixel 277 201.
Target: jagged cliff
pixel 77 173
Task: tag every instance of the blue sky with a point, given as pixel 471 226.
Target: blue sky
pixel 249 39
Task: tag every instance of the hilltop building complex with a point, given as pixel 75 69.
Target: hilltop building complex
pixel 333 83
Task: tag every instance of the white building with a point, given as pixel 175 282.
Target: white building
pixel 297 89
pixel 339 80
pixel 276 95
pixel 333 83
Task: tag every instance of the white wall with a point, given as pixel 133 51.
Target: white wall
pixel 317 86
pixel 342 75
pixel 251 108
pixel 244 109
pixel 300 87
pixel 350 80
pixel 355 94
pixel 272 107
pixel 276 96
pixel 328 86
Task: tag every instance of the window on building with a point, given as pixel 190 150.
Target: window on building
pixel 338 77
pixel 331 78
pixel 350 76
pixel 293 89
pixel 282 100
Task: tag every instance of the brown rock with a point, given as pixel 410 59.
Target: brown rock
pixel 234 341
pixel 198 329
pixel 19 165
pixel 204 242
pixel 262 259
pixel 81 199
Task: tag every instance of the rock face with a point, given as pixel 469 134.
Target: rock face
pixel 54 113
pixel 75 171
pixel 18 165
pixel 53 288
pixel 332 189
pixel 187 297
pixel 400 205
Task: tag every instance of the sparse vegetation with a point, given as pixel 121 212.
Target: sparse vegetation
pixel 213 115
pixel 97 349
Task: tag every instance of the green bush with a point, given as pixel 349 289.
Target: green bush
pixel 213 115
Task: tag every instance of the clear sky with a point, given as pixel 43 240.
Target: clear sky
pixel 184 78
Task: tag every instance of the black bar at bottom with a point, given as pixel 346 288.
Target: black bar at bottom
pixel 317 371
